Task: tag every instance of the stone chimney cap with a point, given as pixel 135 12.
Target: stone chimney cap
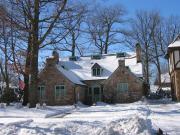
pixel 121 62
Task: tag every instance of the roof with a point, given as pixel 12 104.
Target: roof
pixel 71 76
pixel 96 65
pixel 176 43
pixel 80 70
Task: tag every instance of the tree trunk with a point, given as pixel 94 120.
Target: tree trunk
pixel 147 69
pixel 107 40
pixel 26 73
pixel 33 89
pixel 73 44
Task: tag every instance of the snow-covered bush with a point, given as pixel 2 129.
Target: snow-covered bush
pixel 8 96
pixel 38 106
pixel 18 105
pixel 43 105
pixel 2 105
pixel 28 105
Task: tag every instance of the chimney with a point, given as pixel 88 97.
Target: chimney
pixel 55 54
pixel 53 60
pixel 138 52
pixel 121 62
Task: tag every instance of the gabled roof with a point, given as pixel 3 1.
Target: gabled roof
pixel 96 65
pixel 109 63
pixel 176 43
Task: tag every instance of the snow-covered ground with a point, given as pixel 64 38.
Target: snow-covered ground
pixel 142 118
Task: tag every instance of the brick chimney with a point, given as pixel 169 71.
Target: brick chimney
pixel 138 52
pixel 121 62
pixel 54 59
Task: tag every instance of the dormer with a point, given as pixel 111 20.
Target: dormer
pixel 96 70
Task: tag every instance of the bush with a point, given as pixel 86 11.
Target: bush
pixel 8 96
pixel 160 94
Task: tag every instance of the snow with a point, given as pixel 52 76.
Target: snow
pixel 174 44
pixel 139 118
pixel 109 63
pixel 70 75
pixel 165 78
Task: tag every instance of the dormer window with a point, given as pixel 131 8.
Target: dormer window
pixel 96 70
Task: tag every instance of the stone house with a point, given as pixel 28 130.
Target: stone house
pixel 174 68
pixel 113 78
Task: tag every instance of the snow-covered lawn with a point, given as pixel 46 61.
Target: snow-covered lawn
pixel 125 119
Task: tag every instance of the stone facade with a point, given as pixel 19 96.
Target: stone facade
pixel 50 77
pixel 93 91
pixel 123 75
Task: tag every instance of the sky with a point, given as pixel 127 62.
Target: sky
pixel 165 7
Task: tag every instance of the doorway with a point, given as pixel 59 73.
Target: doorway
pixel 95 94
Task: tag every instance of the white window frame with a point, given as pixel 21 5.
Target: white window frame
pixel 62 92
pixel 96 70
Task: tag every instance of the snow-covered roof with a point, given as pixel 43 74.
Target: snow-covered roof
pixel 70 75
pixel 165 78
pixel 80 70
pixel 176 43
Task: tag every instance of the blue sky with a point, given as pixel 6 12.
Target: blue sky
pixel 166 7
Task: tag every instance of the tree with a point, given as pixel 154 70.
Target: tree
pixel 73 25
pixel 141 33
pixel 40 32
pixel 104 27
pixel 6 36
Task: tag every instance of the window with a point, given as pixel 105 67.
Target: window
pixel 41 92
pixel 96 71
pixel 60 91
pixel 122 87
pixel 177 58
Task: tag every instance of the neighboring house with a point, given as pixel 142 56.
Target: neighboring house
pixel 174 67
pixel 114 78
pixel 165 82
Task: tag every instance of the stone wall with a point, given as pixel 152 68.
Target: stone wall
pixel 123 75
pixel 50 77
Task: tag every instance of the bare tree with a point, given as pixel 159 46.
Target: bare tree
pixel 141 33
pixel 41 24
pixel 73 24
pixel 6 52
pixel 104 27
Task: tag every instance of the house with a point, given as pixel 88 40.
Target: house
pixel 165 82
pixel 174 67
pixel 113 78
